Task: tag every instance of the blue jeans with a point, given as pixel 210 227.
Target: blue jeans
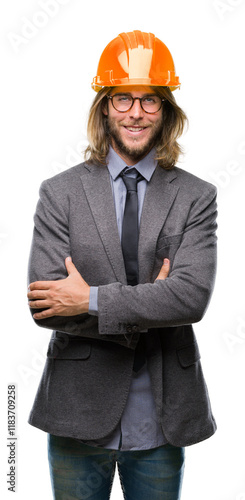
pixel 84 472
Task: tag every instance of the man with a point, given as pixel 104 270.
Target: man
pixel 122 263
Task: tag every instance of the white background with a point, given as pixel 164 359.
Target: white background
pixel 47 65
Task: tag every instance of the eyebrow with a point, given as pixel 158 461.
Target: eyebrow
pixel 130 94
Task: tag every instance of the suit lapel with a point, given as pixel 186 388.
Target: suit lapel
pixel 97 187
pixel 159 197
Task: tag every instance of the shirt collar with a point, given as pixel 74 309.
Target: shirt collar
pixel 145 167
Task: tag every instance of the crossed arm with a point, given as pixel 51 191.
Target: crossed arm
pixel 69 296
pixel 61 302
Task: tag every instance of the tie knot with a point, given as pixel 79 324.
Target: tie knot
pixel 131 182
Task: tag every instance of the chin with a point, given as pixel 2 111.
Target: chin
pixel 136 153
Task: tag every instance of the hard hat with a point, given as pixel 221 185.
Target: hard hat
pixel 136 58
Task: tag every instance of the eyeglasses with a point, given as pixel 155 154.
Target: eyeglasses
pixel 124 102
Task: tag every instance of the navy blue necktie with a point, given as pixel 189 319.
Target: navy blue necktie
pixel 129 242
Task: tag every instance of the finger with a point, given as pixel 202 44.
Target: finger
pixel 164 271
pixel 48 313
pixel 70 267
pixel 37 294
pixel 39 285
pixel 38 304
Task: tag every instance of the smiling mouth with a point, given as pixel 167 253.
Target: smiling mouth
pixel 135 129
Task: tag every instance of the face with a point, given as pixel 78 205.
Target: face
pixel 133 133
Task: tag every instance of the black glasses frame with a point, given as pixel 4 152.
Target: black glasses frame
pixel 134 99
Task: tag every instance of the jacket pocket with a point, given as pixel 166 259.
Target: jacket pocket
pixel 188 355
pixel 71 349
pixel 167 247
pixel 168 241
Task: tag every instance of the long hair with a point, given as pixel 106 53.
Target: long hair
pixel 167 147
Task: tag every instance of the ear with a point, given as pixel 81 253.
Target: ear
pixel 105 108
pixel 105 105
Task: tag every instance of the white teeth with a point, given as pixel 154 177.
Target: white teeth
pixel 135 129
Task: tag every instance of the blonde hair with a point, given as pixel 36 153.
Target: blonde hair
pixel 167 147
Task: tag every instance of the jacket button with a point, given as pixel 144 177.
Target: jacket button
pixel 132 328
pixel 135 328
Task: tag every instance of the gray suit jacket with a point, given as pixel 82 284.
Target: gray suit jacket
pixel 86 379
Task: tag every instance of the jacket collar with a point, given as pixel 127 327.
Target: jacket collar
pixel 145 167
pixel 160 195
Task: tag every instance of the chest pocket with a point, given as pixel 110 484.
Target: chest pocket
pixel 167 247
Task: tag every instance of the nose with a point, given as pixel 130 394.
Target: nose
pixel 136 111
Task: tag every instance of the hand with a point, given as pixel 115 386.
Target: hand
pixel 66 297
pixel 164 271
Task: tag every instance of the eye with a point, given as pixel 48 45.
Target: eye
pixel 150 99
pixel 122 98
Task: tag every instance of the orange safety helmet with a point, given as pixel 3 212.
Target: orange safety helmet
pixel 136 58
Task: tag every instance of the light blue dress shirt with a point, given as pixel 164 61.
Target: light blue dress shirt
pixel 138 428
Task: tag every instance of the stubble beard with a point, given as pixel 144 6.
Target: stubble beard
pixel 134 152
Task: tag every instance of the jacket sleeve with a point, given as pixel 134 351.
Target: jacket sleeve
pixel 180 299
pixel 50 246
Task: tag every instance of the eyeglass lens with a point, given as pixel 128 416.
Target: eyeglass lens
pixel 150 103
